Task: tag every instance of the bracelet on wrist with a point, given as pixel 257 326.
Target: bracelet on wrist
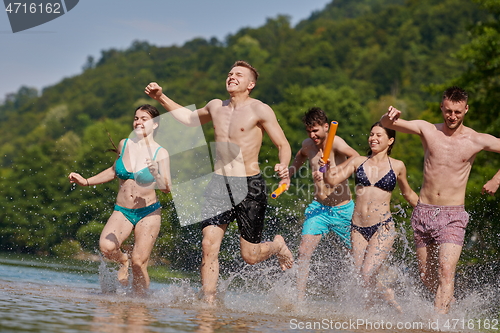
pixel 88 183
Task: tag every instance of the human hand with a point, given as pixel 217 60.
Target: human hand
pixel 490 187
pixel 154 90
pixel 393 114
pixel 78 179
pixel 322 164
pixel 153 167
pixel 317 176
pixel 282 171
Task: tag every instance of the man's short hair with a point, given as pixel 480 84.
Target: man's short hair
pixel 242 63
pixel 455 94
pixel 315 116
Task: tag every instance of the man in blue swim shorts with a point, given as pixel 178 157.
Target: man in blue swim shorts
pixel 332 208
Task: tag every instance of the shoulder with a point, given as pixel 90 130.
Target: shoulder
pixel 397 165
pixel 121 144
pixel 261 108
pixel 307 143
pixel 357 161
pixel 480 138
pixel 340 143
pixel 214 103
pixel 338 139
pixel 162 153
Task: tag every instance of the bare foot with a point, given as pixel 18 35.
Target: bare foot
pixel 285 257
pixel 123 274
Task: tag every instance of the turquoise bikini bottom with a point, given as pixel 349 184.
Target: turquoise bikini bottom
pixel 137 214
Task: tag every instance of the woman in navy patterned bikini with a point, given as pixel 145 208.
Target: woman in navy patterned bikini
pixel 137 207
pixel 372 226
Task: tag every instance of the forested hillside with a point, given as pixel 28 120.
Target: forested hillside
pixel 353 59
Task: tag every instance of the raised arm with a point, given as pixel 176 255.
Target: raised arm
pixel 182 114
pixel 273 129
pixel 404 187
pixel 392 119
pixel 335 175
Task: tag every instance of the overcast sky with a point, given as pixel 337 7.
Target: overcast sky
pixel 43 55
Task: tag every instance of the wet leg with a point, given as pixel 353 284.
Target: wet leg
pixel 448 259
pixel 212 239
pixel 116 230
pixel 255 253
pixel 145 234
pixel 307 246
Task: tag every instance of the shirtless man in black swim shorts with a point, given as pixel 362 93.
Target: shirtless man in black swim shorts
pixel 239 122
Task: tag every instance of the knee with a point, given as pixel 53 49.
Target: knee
pixel 107 248
pixel 209 247
pixel 447 273
pixel 138 260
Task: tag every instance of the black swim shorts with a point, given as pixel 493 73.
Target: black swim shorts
pixel 243 199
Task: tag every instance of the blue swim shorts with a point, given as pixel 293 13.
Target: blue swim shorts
pixel 321 219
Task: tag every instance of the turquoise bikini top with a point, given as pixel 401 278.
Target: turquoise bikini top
pixel 142 176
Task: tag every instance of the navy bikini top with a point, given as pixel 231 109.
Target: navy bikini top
pixel 386 183
pixel 142 176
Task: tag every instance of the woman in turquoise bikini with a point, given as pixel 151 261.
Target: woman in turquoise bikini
pixel 372 227
pixel 137 207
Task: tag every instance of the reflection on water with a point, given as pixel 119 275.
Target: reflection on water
pixel 121 317
pixel 257 298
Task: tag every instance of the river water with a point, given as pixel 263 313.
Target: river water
pixel 42 296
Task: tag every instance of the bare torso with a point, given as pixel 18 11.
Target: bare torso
pixel 373 203
pixel 447 164
pixel 323 193
pixel 131 193
pixel 238 136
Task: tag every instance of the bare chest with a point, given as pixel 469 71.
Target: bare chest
pixel 234 124
pixel 452 152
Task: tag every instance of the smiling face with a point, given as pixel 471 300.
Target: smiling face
pixel 317 133
pixel 143 123
pixel 379 140
pixel 239 79
pixel 453 113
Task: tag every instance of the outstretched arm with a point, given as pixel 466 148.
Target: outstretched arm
pixel 102 177
pixel 182 114
pixel 335 175
pixel 392 119
pixel 492 185
pixel 405 188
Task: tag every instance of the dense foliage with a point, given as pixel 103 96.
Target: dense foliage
pixel 353 59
